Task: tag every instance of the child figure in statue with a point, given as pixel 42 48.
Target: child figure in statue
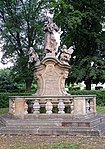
pixel 66 54
pixel 33 56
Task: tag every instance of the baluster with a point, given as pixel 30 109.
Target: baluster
pixel 25 108
pixel 61 106
pixel 72 106
pixel 87 105
pixel 12 106
pixel 91 106
pixel 36 107
pixel 49 107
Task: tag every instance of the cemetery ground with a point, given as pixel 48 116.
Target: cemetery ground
pixel 51 142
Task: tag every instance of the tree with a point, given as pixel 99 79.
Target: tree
pixel 6 81
pixel 21 27
pixel 81 23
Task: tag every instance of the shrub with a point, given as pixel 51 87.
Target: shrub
pixel 4 98
pixel 100 95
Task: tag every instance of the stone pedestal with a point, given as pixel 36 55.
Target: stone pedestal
pixel 79 106
pixel 51 75
pixel 20 108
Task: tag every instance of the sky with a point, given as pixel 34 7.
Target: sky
pixel 6 65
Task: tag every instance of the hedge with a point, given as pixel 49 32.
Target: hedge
pixel 4 98
pixel 100 96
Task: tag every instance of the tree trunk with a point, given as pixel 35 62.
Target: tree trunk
pixel 88 84
pixel 28 84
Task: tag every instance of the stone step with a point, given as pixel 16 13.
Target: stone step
pixel 55 122
pixel 85 123
pixel 32 124
pixel 56 116
pixel 54 126
pixel 50 131
pixel 2 122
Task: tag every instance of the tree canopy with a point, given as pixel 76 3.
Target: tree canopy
pixel 81 22
pixel 21 27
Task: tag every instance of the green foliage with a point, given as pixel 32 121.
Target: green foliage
pixel 100 109
pixel 100 95
pixel 3 111
pixel 81 23
pixel 21 27
pixel 4 98
pixel 73 87
pixel 11 82
pixel 6 81
pixel 43 146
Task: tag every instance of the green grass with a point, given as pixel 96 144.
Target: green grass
pixel 101 109
pixel 51 146
pixel 3 110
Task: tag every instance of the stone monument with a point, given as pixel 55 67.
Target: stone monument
pixel 52 72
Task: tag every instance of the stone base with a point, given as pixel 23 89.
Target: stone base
pixel 51 76
pixel 55 124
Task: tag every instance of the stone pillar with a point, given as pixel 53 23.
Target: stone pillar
pixel 93 105
pixel 79 106
pixel 19 107
pixel 12 106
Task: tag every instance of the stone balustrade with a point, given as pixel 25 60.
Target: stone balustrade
pixel 72 104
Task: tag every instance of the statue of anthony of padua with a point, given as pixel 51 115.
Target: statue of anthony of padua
pixel 49 39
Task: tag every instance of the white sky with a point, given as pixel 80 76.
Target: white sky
pixel 6 65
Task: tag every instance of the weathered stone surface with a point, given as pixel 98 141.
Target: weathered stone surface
pixel 51 75
pixel 94 125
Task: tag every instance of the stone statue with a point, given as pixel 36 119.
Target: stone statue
pixel 49 39
pixel 66 54
pixel 33 56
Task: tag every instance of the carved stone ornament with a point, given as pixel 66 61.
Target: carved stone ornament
pixel 66 54
pixel 33 56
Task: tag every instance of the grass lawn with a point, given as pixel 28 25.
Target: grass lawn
pixel 100 109
pixel 3 110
